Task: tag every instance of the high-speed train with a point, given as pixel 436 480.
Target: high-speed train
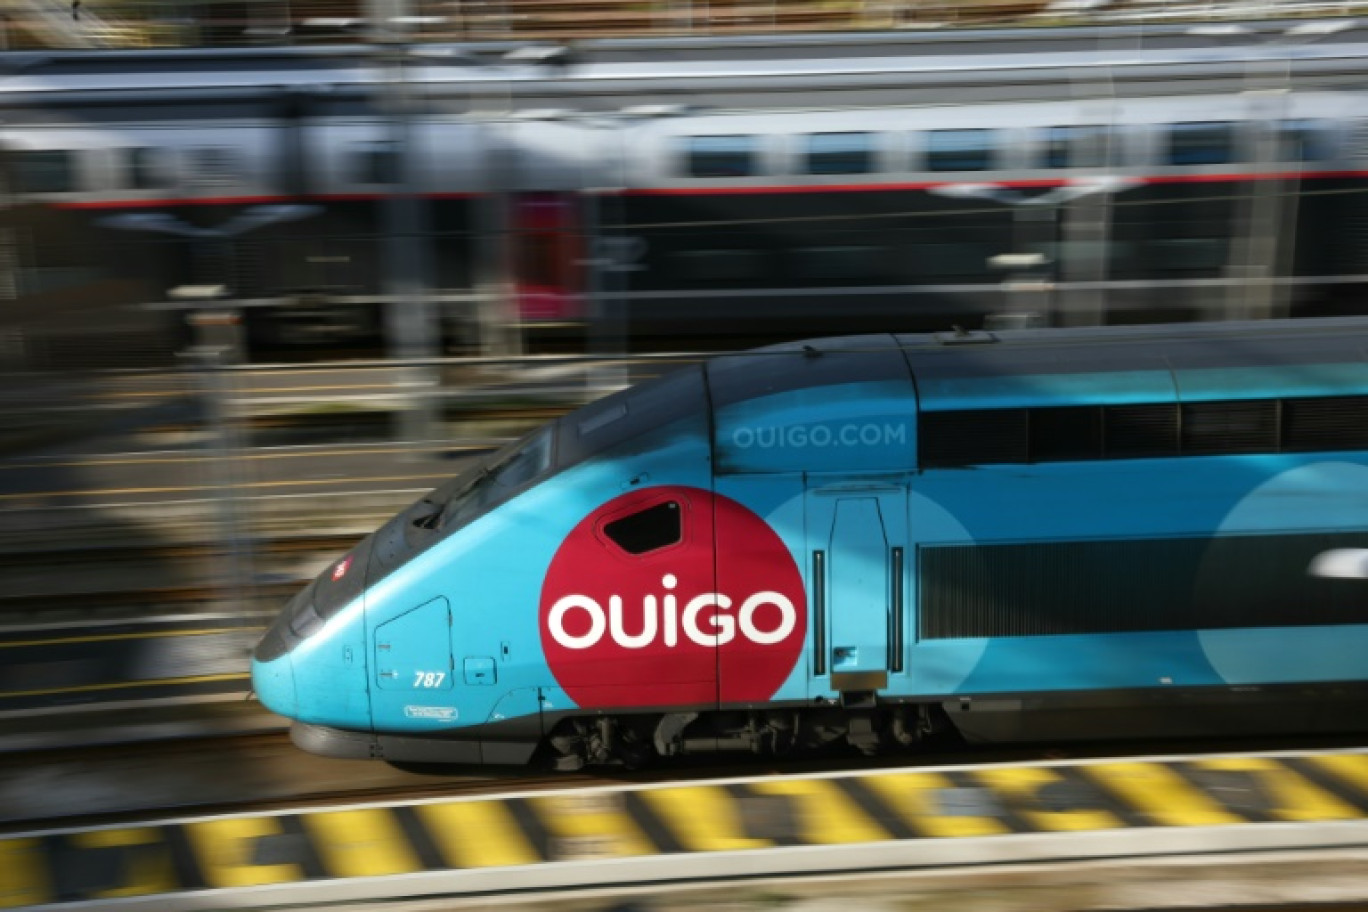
pixel 1032 534
pixel 780 187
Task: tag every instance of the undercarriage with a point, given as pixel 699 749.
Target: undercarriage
pixel 633 740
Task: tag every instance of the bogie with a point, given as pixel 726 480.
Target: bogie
pixel 631 741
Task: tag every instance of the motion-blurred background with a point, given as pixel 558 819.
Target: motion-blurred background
pixel 270 270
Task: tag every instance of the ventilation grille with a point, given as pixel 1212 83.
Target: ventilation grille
pixel 1045 589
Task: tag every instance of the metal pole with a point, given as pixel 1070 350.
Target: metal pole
pixel 1256 256
pixel 12 340
pixel 217 346
pixel 607 262
pixel 409 324
pixel 496 318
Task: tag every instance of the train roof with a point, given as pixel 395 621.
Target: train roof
pixel 1043 367
pixel 692 65
pixel 666 50
pixel 1266 359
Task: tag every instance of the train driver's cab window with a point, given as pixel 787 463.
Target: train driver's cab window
pixel 495 480
pixel 43 171
pixel 722 156
pixel 839 153
pixel 1210 143
pixel 524 462
pixel 959 150
pixel 1076 146
pixel 375 163
pixel 647 530
pixel 1303 141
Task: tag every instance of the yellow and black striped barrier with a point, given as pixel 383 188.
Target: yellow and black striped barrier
pixel 909 815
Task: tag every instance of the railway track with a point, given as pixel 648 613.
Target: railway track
pixel 264 773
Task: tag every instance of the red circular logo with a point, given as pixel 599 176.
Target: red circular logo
pixel 672 596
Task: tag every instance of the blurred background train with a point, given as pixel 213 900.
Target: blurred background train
pixel 680 191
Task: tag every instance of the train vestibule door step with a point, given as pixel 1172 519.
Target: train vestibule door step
pixel 857 543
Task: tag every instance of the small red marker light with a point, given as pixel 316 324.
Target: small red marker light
pixel 341 569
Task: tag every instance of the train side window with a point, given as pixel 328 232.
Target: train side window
pixel 1210 143
pixel 648 530
pixel 376 164
pixel 701 267
pixel 1238 426
pixel 214 165
pixel 840 153
pixel 1140 431
pixel 145 169
pixel 960 150
pixel 978 437
pixel 1076 147
pixel 1065 434
pixel 1303 141
pixel 1330 423
pixel 43 171
pixel 847 262
pixel 721 156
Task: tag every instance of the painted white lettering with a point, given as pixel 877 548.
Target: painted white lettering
pixel 671 622
pixel 788 618
pixel 695 607
pixel 797 437
pixel 556 622
pixel 662 617
pixel 648 624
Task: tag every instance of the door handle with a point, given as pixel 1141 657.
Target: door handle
pixel 895 633
pixel 819 612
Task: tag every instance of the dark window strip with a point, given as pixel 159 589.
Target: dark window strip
pixel 1146 585
pixel 1147 430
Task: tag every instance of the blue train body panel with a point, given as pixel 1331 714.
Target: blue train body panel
pixel 874 521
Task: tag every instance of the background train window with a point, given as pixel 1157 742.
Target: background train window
pixel 845 262
pixel 43 171
pixel 376 164
pixel 706 267
pixel 1201 143
pixel 959 150
pixel 1303 140
pixel 721 156
pixel 146 169
pixel 538 259
pixel 648 530
pixel 214 165
pixel 840 153
pixel 1188 254
pixel 1076 147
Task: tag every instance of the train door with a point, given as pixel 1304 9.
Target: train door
pixel 547 262
pixel 414 670
pixel 857 561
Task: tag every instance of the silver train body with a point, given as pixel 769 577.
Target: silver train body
pixel 770 189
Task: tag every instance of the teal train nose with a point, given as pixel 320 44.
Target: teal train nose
pixel 274 684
